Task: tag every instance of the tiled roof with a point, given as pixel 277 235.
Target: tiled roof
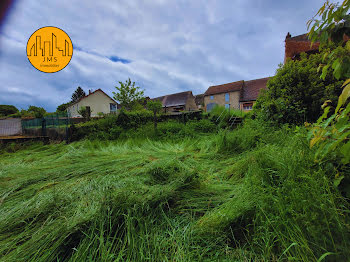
pixel 225 88
pixel 251 89
pixel 174 99
pixel 98 90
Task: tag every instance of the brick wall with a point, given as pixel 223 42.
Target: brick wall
pixel 298 44
pixel 296 47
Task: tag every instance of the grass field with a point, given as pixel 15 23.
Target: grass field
pixel 254 194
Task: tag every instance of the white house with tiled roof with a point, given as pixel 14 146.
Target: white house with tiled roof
pixel 98 101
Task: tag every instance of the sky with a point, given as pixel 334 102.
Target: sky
pixel 165 46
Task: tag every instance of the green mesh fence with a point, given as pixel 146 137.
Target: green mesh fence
pixel 54 125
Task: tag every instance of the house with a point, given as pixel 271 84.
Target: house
pixel 227 95
pixel 240 95
pixel 250 92
pixel 298 44
pixel 184 101
pixel 97 101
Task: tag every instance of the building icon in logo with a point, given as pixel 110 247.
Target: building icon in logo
pixel 49 49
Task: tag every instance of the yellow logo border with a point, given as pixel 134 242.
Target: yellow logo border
pixel 69 40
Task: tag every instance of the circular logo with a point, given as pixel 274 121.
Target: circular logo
pixel 49 49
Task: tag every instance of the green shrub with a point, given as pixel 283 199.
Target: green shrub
pixel 295 94
pixel 133 119
pixel 6 110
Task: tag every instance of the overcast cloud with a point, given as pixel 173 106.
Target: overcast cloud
pixel 164 46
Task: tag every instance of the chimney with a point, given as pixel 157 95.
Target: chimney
pixel 288 36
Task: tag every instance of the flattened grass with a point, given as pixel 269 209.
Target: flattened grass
pixel 251 194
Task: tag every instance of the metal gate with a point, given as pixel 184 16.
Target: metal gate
pixel 10 127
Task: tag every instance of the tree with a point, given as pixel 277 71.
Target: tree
pixel 85 112
pixel 128 94
pixel 63 107
pixel 38 112
pixel 6 110
pixel 78 93
pixel 155 106
pixel 331 134
pixel 295 94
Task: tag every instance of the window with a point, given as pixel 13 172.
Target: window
pixel 227 106
pixel 211 97
pixel 248 106
pixel 113 107
pixel 227 97
pixel 210 106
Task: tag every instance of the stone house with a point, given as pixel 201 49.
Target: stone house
pixel 240 95
pixel 97 101
pixel 227 95
pixel 184 101
pixel 250 92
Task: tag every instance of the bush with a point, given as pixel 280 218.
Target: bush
pixel 6 110
pixel 133 119
pixel 110 126
pixel 137 124
pixel 295 94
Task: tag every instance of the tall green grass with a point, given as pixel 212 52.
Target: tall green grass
pixel 252 194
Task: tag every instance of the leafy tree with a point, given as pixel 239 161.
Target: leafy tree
pixel 85 112
pixel 332 132
pixel 6 110
pixel 63 107
pixel 155 106
pixel 128 94
pixel 295 94
pixel 78 93
pixel 38 112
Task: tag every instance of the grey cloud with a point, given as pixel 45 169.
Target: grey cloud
pixel 172 45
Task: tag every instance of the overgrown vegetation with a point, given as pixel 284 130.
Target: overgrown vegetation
pixel 133 123
pixel 250 194
pixel 331 133
pixel 295 94
pixel 192 189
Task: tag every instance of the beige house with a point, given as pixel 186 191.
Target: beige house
pixel 184 101
pixel 239 95
pixel 97 101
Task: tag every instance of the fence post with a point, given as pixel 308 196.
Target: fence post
pixel 67 127
pixel 43 127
